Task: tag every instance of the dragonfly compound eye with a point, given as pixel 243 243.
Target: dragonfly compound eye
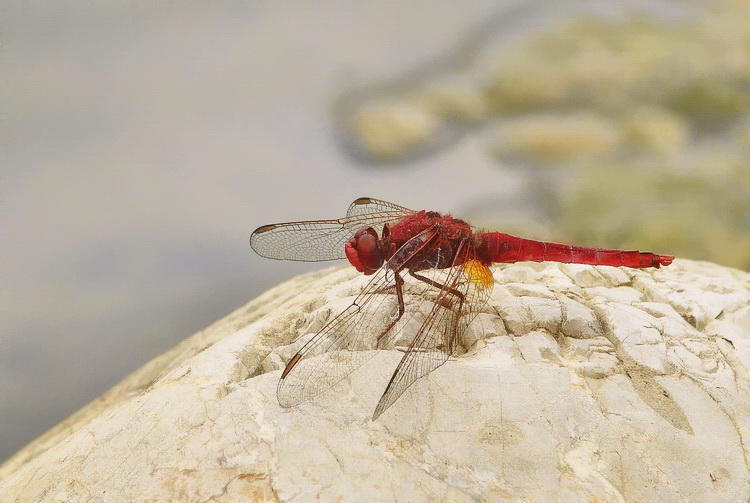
pixel 363 251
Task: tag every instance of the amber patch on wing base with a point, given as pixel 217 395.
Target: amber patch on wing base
pixel 479 273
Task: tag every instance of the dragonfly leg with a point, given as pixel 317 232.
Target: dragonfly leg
pixel 401 308
pixel 387 289
pixel 454 324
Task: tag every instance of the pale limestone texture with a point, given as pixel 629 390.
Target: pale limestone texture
pixel 578 384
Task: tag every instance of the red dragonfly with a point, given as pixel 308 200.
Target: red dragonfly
pixel 448 263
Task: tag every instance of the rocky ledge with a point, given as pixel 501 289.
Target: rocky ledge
pixel 575 383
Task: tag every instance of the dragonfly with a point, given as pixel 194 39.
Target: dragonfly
pixel 441 263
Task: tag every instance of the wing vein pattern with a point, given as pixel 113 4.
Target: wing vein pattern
pixel 319 240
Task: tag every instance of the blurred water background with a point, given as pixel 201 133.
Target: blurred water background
pixel 143 142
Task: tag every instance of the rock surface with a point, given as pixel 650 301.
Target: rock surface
pixel 579 384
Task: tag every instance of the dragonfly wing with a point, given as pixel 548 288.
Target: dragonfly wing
pixel 444 326
pixel 351 338
pixel 311 241
pixel 343 345
pixel 367 205
pixel 318 240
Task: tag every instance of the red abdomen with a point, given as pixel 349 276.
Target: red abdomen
pixel 499 247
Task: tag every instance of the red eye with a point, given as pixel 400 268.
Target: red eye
pixel 367 244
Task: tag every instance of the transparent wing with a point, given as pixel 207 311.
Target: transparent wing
pixel 318 240
pixel 465 289
pixel 367 205
pixel 351 338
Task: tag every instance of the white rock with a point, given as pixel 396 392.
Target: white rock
pixel 611 385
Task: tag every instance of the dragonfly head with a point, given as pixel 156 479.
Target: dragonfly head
pixel 365 251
